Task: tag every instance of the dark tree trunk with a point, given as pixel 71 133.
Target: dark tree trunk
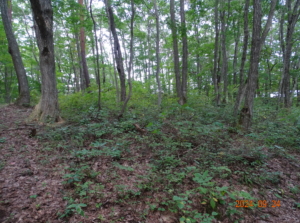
pixel 47 109
pixel 97 56
pixel 287 44
pixel 82 52
pixel 242 86
pixel 157 53
pixel 117 49
pixel 258 40
pixel 224 68
pixel 175 49
pixel 236 44
pixel 184 76
pixel 13 49
pixel 114 66
pixel 216 78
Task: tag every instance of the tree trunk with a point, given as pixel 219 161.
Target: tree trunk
pixel 216 77
pixel 293 15
pixel 256 45
pixel 184 76
pixel 13 49
pixel 175 50
pixel 47 109
pixel 236 44
pixel 82 51
pixel 242 86
pixel 130 59
pixel 114 66
pixel 224 68
pixel 117 50
pixel 157 54
pixel 97 57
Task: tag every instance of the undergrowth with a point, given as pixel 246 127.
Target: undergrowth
pixel 174 166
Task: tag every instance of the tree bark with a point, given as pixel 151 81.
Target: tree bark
pixel 82 51
pixel 47 109
pixel 287 44
pixel 184 74
pixel 157 54
pixel 117 50
pixel 256 45
pixel 13 49
pixel 130 59
pixel 97 56
pixel 224 68
pixel 216 78
pixel 175 50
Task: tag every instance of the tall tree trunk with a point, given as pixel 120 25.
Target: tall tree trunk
pixel 242 86
pixel 117 49
pixel 81 74
pixel 236 46
pixel 258 40
pixel 13 49
pixel 82 50
pixel 47 109
pixel 224 68
pixel 97 56
pixel 216 78
pixel 157 54
pixel 184 79
pixel 130 66
pixel 114 66
pixel 293 15
pixel 175 50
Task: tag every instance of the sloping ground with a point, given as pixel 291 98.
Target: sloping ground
pixel 28 191
pixel 110 187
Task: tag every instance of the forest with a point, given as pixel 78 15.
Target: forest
pixel 149 111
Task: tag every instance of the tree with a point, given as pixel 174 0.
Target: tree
pixel 82 50
pixel 258 40
pixel 183 98
pixel 117 49
pixel 181 77
pixel 157 50
pixel 47 109
pixel 13 49
pixel 216 75
pixel 286 45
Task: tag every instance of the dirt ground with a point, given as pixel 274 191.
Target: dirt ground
pixel 32 191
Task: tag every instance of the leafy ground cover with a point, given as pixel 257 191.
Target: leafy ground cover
pixel 176 164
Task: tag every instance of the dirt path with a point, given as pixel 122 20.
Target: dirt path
pixel 29 192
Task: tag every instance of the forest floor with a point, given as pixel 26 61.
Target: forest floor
pixel 52 179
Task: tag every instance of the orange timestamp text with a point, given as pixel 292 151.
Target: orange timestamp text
pixel 260 203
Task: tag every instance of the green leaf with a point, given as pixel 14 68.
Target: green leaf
pixel 212 203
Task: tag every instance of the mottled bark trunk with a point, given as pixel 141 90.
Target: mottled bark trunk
pixel 175 49
pixel 47 109
pixel 13 49
pixel 130 65
pixel 114 66
pixel 117 50
pixel 157 54
pixel 224 68
pixel 216 53
pixel 97 56
pixel 287 44
pixel 184 75
pixel 82 51
pixel 256 45
pixel 236 48
pixel 242 86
